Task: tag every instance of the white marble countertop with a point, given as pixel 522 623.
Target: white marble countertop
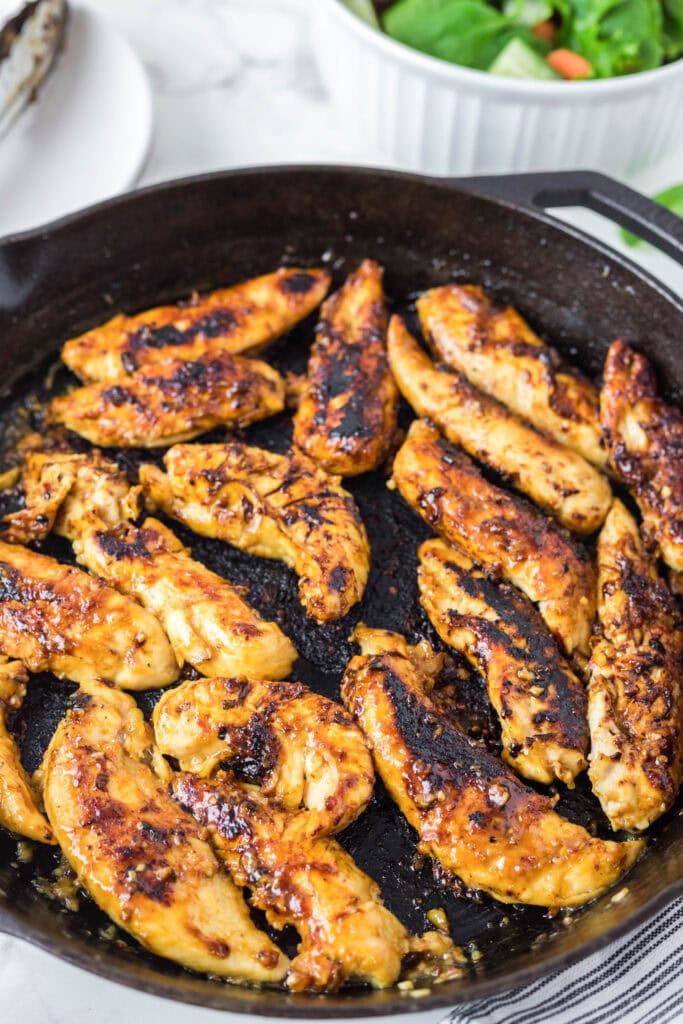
pixel 234 83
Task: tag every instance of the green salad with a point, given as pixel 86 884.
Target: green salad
pixel 545 39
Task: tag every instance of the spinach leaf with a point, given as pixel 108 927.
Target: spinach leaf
pixel 672 198
pixel 673 28
pixel 467 32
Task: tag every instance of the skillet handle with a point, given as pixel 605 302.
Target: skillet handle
pixel 619 203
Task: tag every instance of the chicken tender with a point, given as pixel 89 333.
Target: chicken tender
pixel 346 419
pixel 552 475
pixel 56 618
pixel 275 506
pixel 645 444
pixel 143 859
pixel 172 401
pixel 540 702
pixel 471 813
pixel 19 810
pixel 242 318
pixel 634 694
pixel 87 499
pixel 499 532
pixel 314 776
pixel 498 352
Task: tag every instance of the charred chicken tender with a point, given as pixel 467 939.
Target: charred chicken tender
pixel 314 776
pixel 634 694
pixel 145 861
pixel 19 810
pixel 346 419
pixel 645 444
pixel 471 813
pixel 495 348
pixel 242 318
pixel 172 401
pixel 87 499
pixel 56 618
pixel 556 478
pixel 499 532
pixel 275 506
pixel 540 702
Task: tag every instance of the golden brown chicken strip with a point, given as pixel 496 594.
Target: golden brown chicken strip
pixel 540 702
pixel 56 618
pixel 144 860
pixel 347 416
pixel 315 776
pixel 172 401
pixel 237 319
pixel 552 475
pixel 471 813
pixel 19 810
pixel 634 694
pixel 499 532
pixel 275 506
pixel 499 353
pixel 87 499
pixel 645 444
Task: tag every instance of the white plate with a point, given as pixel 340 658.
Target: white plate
pixel 86 136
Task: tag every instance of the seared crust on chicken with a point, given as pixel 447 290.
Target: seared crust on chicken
pixel 56 618
pixel 645 443
pixel 172 401
pixel 19 811
pixel 144 860
pixel 315 777
pixel 87 499
pixel 347 416
pixel 242 318
pixel 275 506
pixel 471 813
pixel 500 354
pixel 634 694
pixel 555 477
pixel 499 532
pixel 540 702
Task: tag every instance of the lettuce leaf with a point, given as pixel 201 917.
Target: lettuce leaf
pixel 617 37
pixel 672 198
pixel 673 28
pixel 467 32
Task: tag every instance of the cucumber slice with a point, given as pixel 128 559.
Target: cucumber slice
pixel 517 60
pixel 364 10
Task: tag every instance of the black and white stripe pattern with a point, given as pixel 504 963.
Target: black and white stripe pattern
pixel 636 980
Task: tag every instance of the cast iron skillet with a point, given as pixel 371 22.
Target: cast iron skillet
pixel 163 242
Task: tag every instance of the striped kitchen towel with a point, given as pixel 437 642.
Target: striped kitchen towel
pixel 636 980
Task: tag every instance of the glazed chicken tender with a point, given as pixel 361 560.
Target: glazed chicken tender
pixel 314 777
pixel 56 618
pixel 540 702
pixel 347 416
pixel 19 810
pixel 498 352
pixel 645 444
pixel 144 860
pixel 499 532
pixel 87 499
pixel 471 813
pixel 634 694
pixel 552 475
pixel 172 401
pixel 242 318
pixel 275 506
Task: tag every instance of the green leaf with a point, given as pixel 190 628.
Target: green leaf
pixel 617 37
pixel 467 32
pixel 672 198
pixel 365 10
pixel 673 28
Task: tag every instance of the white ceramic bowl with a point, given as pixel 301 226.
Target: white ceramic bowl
pixel 424 114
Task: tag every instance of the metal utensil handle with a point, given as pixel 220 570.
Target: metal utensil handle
pixel 619 203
